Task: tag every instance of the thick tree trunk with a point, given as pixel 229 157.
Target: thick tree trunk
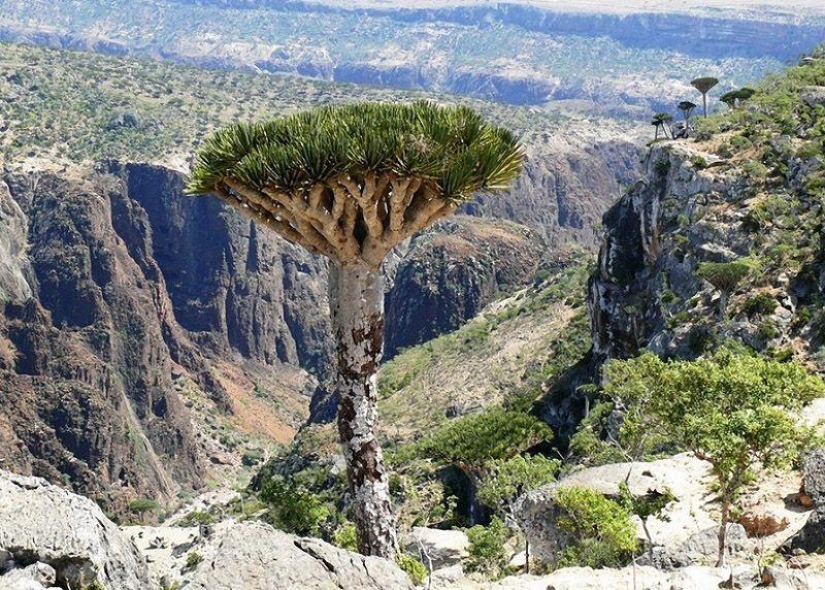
pixel 723 305
pixel 356 300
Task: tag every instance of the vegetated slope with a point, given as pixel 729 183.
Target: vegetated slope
pixel 746 194
pixel 509 350
pixel 511 52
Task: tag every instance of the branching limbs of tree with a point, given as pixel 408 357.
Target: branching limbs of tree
pixel 352 182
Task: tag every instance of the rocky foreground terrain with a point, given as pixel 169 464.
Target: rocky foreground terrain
pixel 64 541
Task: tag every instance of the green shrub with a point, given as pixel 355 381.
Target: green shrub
pixel 679 319
pixel 486 548
pixel 699 162
pixel 196 518
pixel 761 304
pixel 507 478
pixel 754 170
pixel 252 457
pixel 413 567
pixel 760 214
pixel 345 537
pixel 739 143
pixel 701 338
pixel 493 434
pixel 292 508
pixel 192 560
pixel 601 530
pixel 669 297
pixel 767 330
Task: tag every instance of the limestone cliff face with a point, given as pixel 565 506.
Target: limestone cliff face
pixel 113 285
pixel 86 378
pixel 694 207
pixel 232 286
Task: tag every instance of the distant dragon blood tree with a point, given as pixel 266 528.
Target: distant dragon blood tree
pixel 704 85
pixel 351 182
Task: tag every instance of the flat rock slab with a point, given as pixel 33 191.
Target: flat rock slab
pixel 689 578
pixel 444 548
pixel 254 556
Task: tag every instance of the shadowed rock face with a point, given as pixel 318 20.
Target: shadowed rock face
pixel 233 286
pixel 89 331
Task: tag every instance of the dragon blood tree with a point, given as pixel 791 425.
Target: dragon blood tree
pixel 351 182
pixel 704 85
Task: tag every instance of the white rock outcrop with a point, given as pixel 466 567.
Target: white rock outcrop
pixel 47 527
pixel 255 556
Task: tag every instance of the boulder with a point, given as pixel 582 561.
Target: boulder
pixel 255 556
pixel 34 577
pixel 537 514
pixel 704 545
pixel 444 548
pixel 446 577
pixel 684 476
pixel 811 538
pixel 53 528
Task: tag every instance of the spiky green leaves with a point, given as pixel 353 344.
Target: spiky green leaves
pixel 451 147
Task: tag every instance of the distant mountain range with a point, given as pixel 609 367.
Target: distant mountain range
pixel 637 57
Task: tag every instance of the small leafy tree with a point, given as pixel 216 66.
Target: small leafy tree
pixel 704 85
pixel 725 277
pixel 143 505
pixel 507 479
pixel 486 548
pixel 649 505
pixel 601 530
pixel 731 410
pixel 735 98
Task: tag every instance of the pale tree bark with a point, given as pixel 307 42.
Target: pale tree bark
pixel 723 530
pixel 356 299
